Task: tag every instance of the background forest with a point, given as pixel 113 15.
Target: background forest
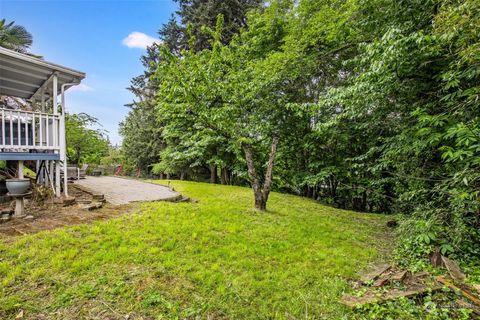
pixel 369 105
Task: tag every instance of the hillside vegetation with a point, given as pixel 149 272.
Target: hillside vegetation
pixel 216 258
pixel 369 105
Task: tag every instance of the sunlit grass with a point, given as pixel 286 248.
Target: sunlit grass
pixel 217 258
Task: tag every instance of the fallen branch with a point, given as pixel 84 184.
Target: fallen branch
pixel 466 294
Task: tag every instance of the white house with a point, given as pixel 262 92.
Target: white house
pixel 36 134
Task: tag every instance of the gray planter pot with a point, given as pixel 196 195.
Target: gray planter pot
pixel 18 186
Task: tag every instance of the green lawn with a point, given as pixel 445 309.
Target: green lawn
pixel 214 259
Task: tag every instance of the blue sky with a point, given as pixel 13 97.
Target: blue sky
pixel 102 38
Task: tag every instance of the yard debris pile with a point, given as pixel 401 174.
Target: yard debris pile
pixel 389 283
pixel 439 260
pixel 386 282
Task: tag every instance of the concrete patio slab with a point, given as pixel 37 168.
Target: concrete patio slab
pixel 123 190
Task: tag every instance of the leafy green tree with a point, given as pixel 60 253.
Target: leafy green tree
pixel 144 145
pixel 84 144
pixel 114 157
pixel 407 106
pixel 245 105
pixel 142 139
pixel 369 105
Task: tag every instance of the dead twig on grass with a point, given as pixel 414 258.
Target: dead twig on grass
pixel 111 309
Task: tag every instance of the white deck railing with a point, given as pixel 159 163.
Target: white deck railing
pixel 22 131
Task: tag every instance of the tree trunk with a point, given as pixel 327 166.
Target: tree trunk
pixel 224 176
pixel 364 201
pixel 260 201
pixel 252 173
pixel 213 174
pixel 78 153
pixel 227 176
pixel 267 184
pixel 182 175
pixel 161 176
pixel 261 192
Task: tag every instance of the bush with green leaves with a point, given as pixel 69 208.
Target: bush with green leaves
pixel 84 143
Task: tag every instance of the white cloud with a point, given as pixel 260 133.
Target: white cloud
pixel 139 40
pixel 82 88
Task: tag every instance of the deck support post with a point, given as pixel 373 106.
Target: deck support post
pixel 63 142
pixel 43 177
pixel 37 170
pixel 20 169
pixel 55 133
pixel 51 175
pixel 45 174
pixel 51 169
pixel 57 179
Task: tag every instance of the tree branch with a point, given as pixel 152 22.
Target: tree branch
pixel 267 184
pixel 252 172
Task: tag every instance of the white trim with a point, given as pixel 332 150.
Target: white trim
pixel 41 63
pixel 31 72
pixel 41 89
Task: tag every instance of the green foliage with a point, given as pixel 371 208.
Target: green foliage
pixel 84 144
pixel 145 142
pixel 418 239
pixel 14 37
pixel 409 104
pixel 217 258
pixel 114 157
pixel 200 14
pixel 376 104
pixel 430 307
pixel 142 140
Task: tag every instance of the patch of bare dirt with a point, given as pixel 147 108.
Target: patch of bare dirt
pixel 43 213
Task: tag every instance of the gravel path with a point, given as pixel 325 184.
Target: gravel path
pixel 122 191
